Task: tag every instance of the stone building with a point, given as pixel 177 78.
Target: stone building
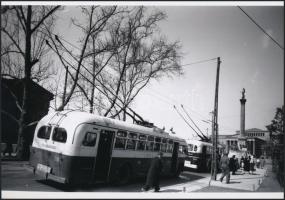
pixel 256 141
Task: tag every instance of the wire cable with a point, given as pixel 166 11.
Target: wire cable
pixel 186 122
pixel 198 62
pixel 261 28
pixel 191 119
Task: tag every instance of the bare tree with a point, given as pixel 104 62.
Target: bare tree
pixel 22 31
pixel 96 19
pixel 146 55
pixel 119 59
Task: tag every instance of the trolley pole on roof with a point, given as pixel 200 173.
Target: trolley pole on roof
pixel 215 124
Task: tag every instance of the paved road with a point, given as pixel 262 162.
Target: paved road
pixel 17 176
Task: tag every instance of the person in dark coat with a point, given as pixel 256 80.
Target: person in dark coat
pixel 232 165
pixel 153 175
pixel 225 162
pixel 262 162
pixel 246 164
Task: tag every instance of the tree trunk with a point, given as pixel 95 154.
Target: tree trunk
pixel 22 143
pixel 93 78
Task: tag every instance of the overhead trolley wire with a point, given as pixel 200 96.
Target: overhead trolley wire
pixel 191 119
pixel 261 28
pixel 198 62
pixel 185 120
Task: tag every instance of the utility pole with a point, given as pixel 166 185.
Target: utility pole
pixel 215 123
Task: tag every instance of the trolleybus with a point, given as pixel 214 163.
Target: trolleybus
pixel 73 147
pixel 199 155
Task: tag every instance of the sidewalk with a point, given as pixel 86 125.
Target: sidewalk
pixel 263 180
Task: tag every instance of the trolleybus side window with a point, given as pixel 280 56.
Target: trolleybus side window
pixel 141 142
pixel 120 140
pixel 185 151
pixel 164 145
pixel 170 146
pixel 44 132
pixel 131 144
pixel 149 144
pixel 157 144
pixel 182 149
pixel 89 139
pixel 195 148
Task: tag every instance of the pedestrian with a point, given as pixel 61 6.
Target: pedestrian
pixel 251 164
pixel 232 165
pixel 246 164
pixel 258 163
pixel 225 162
pixel 242 164
pixel 153 175
pixel 236 164
pixel 262 162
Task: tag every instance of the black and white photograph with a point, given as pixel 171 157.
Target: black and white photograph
pixel 142 99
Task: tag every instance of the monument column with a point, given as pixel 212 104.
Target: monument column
pixel 242 114
pixel 242 138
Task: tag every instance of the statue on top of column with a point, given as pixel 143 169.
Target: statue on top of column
pixel 243 91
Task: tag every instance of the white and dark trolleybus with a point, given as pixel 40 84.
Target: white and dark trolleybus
pixel 73 147
pixel 199 155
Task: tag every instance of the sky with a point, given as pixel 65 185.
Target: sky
pixel 249 59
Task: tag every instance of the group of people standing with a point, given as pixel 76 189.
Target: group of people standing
pixel 249 163
pixel 227 165
pixel 246 164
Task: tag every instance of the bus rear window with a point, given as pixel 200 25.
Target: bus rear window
pixel 44 132
pixel 59 135
pixel 89 139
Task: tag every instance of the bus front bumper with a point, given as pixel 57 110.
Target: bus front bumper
pixel 48 176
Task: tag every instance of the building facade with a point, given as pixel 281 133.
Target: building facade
pixel 256 141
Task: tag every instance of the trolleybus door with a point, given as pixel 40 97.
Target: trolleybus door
pixel 174 157
pixel 103 158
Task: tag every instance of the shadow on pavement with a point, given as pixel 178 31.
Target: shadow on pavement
pixel 170 190
pixel 245 178
pixel 133 186
pixel 233 182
